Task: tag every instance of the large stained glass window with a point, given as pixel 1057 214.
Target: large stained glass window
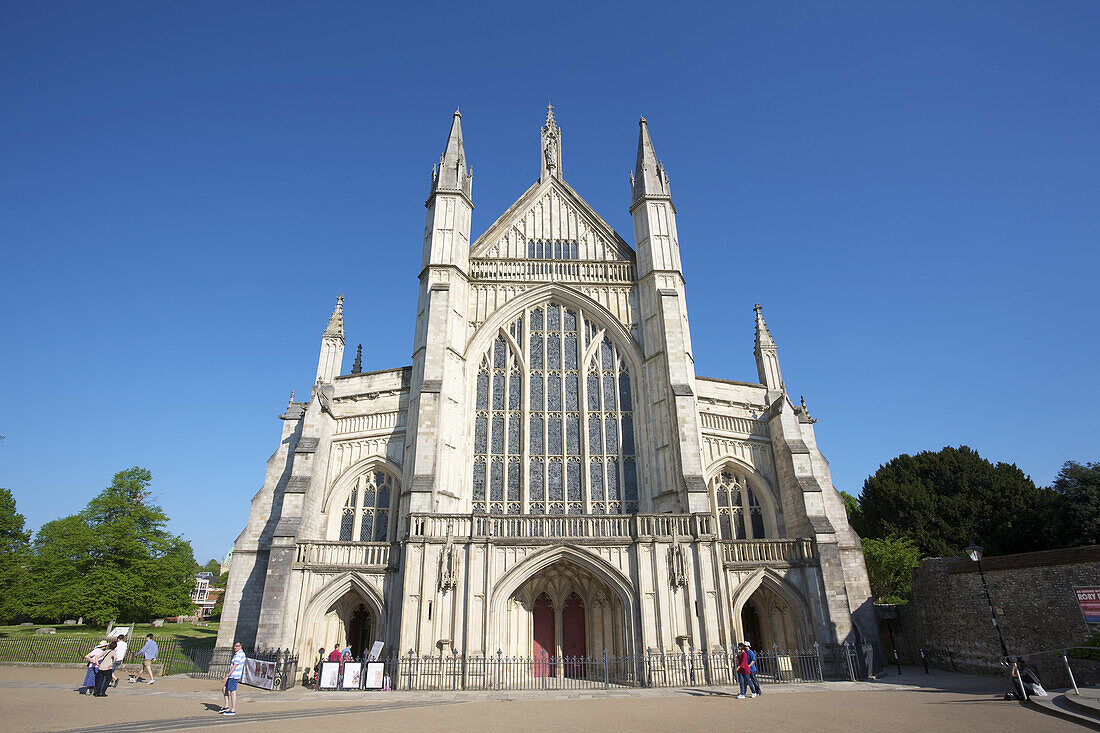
pixel 554 420
pixel 366 512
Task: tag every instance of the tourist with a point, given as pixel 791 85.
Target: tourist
pixel 148 655
pixel 104 668
pixel 752 670
pixel 743 670
pixel 317 667
pixel 335 655
pixel 92 658
pixel 232 679
pixel 120 657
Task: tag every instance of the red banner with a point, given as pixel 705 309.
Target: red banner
pixel 1089 601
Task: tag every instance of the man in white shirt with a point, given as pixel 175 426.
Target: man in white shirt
pixel 236 671
pixel 120 656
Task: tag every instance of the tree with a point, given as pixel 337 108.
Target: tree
pixel 212 566
pixel 890 564
pixel 115 560
pixel 851 507
pixel 1077 501
pixel 14 541
pixel 944 500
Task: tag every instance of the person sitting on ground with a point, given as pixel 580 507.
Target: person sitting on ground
pixel 92 658
pixel 1029 678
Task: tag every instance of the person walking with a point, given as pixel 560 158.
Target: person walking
pixel 92 658
pixel 104 668
pixel 148 654
pixel 232 679
pixel 120 657
pixel 743 670
pixel 753 681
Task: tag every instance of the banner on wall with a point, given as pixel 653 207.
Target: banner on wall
pixel 1089 601
pixel 259 674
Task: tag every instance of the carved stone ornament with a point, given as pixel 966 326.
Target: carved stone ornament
pixel 448 564
pixel 677 566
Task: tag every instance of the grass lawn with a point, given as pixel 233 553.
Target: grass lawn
pixel 187 633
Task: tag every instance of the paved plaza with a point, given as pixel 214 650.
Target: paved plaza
pixel 40 699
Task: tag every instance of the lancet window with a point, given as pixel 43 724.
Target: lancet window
pixel 554 419
pixel 366 513
pixel 735 501
pixel 552 249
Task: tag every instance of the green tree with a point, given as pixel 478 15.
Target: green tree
pixel 1077 503
pixel 944 500
pixel 890 564
pixel 851 507
pixel 212 566
pixel 14 541
pixel 115 560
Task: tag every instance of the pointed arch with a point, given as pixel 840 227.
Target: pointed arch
pixel 762 489
pixel 328 595
pixel 772 581
pixel 613 578
pixel 339 487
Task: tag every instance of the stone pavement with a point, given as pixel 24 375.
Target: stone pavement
pixel 38 699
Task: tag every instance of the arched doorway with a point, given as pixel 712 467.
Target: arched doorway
pixel 574 645
pixel 544 641
pixel 568 613
pixel 769 619
pixel 750 626
pixel 360 629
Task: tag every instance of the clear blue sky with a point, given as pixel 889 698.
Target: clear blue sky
pixel 912 191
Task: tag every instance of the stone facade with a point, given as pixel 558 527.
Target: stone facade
pixel 1033 598
pixel 549 474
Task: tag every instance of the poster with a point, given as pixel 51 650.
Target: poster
pixel 330 676
pixel 375 652
pixel 353 675
pixel 375 673
pixel 1089 601
pixel 259 674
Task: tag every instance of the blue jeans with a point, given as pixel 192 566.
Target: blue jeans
pixel 744 680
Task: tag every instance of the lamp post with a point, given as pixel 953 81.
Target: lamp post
pixel 975 553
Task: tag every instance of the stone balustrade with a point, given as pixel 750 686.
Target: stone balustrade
pixel 524 270
pixel 625 527
pixel 769 552
pixel 320 553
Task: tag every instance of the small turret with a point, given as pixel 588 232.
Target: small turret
pixel 649 179
pixel 332 345
pixel 452 174
pixel 767 357
pixel 357 365
pixel 551 147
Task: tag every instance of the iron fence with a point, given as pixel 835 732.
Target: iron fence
pixel 689 668
pixel 214 662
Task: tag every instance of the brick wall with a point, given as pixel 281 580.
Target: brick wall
pixel 1032 596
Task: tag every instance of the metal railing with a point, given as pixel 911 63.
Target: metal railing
pixel 689 668
pixel 214 662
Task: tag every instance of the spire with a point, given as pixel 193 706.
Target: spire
pixel 357 365
pixel 649 178
pixel 767 356
pixel 452 173
pixel 551 146
pixel 335 328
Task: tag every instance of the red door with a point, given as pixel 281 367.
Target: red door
pixel 573 645
pixel 544 641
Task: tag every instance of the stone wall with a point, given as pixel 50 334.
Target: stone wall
pixel 1033 598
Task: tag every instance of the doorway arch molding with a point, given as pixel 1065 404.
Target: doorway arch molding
pixel 616 582
pixel 772 581
pixel 337 588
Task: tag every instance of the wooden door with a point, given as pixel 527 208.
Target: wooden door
pixel 573 645
pixel 544 642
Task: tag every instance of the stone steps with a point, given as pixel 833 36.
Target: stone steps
pixel 1083 708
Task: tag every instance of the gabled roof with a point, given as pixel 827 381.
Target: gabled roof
pixel 515 217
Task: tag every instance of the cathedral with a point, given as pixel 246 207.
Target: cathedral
pixel 549 475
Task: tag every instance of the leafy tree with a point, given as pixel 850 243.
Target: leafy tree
pixel 1077 502
pixel 212 566
pixel 114 560
pixel 890 564
pixel 944 500
pixel 13 555
pixel 851 507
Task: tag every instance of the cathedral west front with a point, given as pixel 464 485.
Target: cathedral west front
pixel 549 475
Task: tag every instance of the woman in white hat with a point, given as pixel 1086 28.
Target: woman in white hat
pixel 92 658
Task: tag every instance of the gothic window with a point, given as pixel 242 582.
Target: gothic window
pixel 734 499
pixel 553 249
pixel 564 411
pixel 366 513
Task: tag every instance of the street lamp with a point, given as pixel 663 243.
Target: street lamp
pixel 975 553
